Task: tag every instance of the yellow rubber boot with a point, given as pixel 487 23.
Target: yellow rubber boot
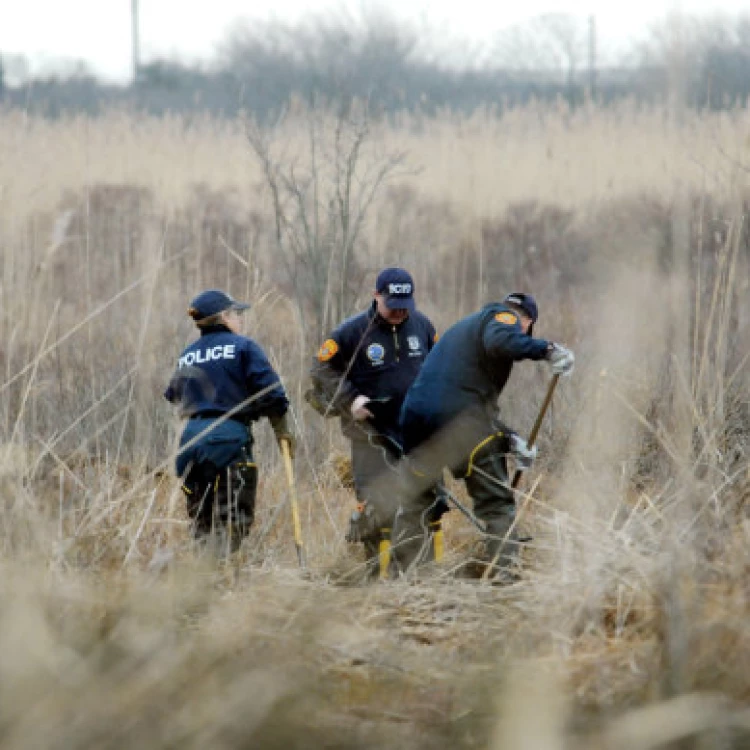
pixel 384 554
pixel 438 540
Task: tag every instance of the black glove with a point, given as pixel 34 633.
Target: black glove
pixel 283 431
pixel 441 505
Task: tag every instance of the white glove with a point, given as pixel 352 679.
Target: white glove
pixel 560 359
pixel 359 412
pixel 522 453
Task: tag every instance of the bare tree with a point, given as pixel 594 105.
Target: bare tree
pixel 346 54
pixel 16 69
pixel 320 202
pixel 709 53
pixel 552 44
pixel 568 38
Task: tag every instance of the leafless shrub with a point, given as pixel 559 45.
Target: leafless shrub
pixel 320 201
pixel 628 626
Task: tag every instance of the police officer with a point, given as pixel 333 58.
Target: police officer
pixel 223 382
pixel 450 419
pixel 361 373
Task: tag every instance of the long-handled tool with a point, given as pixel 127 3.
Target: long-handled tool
pixel 293 502
pixel 530 442
pixel 538 424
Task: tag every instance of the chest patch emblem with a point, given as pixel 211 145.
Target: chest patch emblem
pixel 375 353
pixel 413 342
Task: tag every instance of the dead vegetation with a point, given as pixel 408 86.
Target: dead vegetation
pixel 628 626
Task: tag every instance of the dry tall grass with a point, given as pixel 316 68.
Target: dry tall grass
pixel 628 627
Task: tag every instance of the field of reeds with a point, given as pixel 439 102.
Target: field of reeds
pixel 628 628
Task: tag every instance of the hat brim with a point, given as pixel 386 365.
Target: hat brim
pixel 238 306
pixel 399 303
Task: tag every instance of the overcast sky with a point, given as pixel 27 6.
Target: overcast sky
pixel 98 31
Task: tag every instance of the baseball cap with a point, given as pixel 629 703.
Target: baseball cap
pixel 526 302
pixel 212 302
pixel 397 288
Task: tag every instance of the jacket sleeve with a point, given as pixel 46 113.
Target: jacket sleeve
pixel 179 390
pixel 432 336
pixel 260 376
pixel 328 373
pixel 503 338
pixel 187 387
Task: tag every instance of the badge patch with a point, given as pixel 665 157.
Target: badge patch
pixel 328 350
pixel 413 342
pixel 399 288
pixel 375 353
pixel 506 318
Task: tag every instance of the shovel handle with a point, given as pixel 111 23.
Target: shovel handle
pixel 534 434
pixel 296 525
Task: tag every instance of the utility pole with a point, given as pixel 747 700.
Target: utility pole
pixel 136 40
pixel 592 56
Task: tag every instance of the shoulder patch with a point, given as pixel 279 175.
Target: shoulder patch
pixel 328 350
pixel 506 318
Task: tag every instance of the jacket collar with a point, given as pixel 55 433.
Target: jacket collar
pixel 214 329
pixel 376 319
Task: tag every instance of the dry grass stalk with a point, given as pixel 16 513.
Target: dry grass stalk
pixel 628 626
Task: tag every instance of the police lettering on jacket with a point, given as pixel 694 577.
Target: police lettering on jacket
pixel 467 370
pixel 222 370
pixel 367 356
pixel 227 351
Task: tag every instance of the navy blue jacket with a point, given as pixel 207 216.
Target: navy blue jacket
pixel 367 356
pixel 466 372
pixel 221 370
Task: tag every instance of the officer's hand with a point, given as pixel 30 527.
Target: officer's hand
pixel 523 454
pixel 283 431
pixel 359 410
pixel 561 360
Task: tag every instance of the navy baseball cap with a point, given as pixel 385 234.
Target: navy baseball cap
pixel 212 302
pixel 526 302
pixel 397 287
